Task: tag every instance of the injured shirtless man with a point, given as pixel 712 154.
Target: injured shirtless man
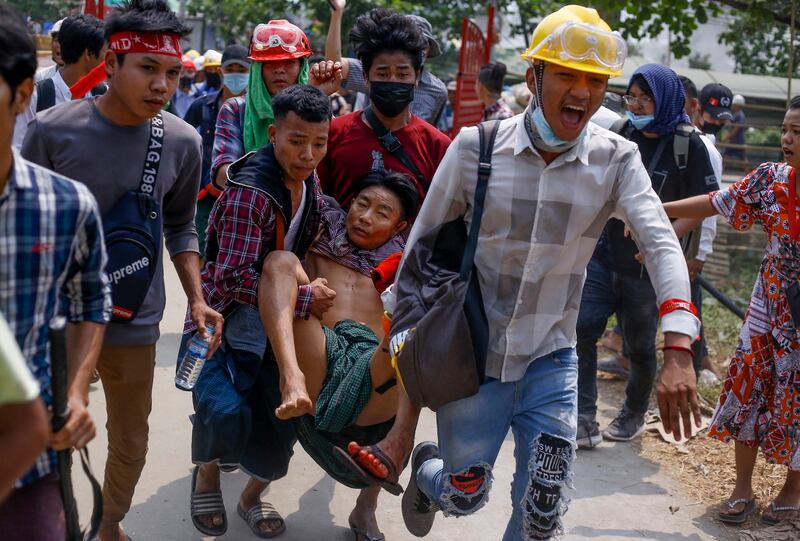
pixel 337 382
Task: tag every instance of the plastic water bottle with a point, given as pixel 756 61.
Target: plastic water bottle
pixel 193 360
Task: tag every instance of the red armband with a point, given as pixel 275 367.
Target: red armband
pixel 676 304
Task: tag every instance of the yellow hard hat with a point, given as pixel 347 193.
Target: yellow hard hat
pixel 192 54
pixel 576 37
pixel 212 59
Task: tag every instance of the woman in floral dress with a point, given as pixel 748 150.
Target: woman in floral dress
pixel 759 406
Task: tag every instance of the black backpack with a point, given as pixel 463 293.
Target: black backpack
pixel 46 93
pixel 680 152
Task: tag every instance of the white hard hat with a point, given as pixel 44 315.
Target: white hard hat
pixel 56 27
pixel 198 62
pixel 738 99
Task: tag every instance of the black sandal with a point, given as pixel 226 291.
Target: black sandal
pixel 260 512
pixel 737 518
pixel 207 503
pixel 389 484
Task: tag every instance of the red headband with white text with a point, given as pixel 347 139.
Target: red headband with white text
pixel 146 42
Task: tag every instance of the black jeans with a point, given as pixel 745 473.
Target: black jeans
pixel 634 301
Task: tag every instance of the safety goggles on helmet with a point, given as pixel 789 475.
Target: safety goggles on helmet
pixel 583 47
pixel 278 40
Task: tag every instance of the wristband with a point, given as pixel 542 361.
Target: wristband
pixel 679 348
pixel 676 304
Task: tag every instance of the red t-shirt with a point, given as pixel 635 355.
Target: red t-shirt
pixel 354 150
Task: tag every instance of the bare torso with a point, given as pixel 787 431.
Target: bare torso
pixel 356 296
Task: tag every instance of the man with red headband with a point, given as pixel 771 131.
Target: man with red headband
pixel 125 149
pixel 279 51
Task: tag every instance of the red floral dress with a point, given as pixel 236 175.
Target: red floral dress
pixel 760 399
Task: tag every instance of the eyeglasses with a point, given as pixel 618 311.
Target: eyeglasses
pixel 633 100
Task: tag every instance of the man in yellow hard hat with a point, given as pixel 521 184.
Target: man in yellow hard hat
pixel 555 181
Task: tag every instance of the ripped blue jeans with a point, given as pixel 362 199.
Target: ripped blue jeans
pixel 541 410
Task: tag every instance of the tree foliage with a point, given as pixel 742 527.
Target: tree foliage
pixel 635 19
pixel 759 42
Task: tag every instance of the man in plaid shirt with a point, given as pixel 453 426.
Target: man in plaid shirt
pixel 272 202
pixel 51 255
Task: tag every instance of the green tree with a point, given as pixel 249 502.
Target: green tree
pixel 759 41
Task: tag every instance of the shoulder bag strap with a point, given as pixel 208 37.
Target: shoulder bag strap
pixel 487 131
pixel 391 143
pixel 152 160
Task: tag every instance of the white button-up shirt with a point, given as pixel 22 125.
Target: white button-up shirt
pixel 539 228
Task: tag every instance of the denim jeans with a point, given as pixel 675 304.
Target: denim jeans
pixel 634 301
pixel 540 409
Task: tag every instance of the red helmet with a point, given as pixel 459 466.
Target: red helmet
pixel 278 40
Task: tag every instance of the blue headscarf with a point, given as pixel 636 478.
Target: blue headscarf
pixel 668 95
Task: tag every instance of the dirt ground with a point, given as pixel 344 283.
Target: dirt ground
pixel 706 470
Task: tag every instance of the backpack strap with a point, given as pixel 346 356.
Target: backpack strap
pixel 619 127
pixel 487 132
pixel 680 146
pixel 45 94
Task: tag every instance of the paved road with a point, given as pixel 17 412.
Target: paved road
pixel 618 495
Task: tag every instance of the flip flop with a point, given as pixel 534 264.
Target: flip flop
pixel 419 511
pixel 776 509
pixel 362 533
pixel 741 516
pixel 207 503
pixel 391 486
pixel 257 513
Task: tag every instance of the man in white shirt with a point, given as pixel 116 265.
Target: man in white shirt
pixel 82 45
pixel 55 55
pixel 555 181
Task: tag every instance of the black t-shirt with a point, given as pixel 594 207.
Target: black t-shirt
pixel 669 184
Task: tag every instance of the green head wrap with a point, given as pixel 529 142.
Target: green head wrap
pixel 258 113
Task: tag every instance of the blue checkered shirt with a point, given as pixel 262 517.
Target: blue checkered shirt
pixel 430 96
pixel 51 256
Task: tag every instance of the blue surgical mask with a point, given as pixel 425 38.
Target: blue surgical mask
pixel 543 136
pixel 236 82
pixel 640 122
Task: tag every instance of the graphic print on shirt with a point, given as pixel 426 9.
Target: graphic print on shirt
pixel 377 161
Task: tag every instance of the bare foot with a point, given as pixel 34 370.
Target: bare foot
pixel 363 521
pixel 295 401
pixel 208 481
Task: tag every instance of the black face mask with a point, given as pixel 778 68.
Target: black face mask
pixel 390 98
pixel 213 80
pixel 711 129
pixel 186 81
